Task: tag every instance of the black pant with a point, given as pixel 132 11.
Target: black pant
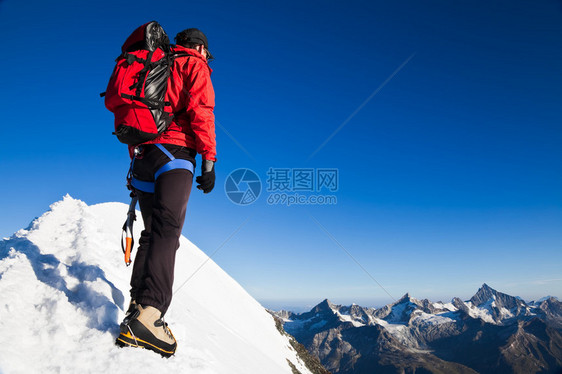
pixel 163 213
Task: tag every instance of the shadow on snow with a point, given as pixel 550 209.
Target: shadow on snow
pixel 100 310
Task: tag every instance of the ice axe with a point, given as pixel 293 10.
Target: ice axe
pixel 127 240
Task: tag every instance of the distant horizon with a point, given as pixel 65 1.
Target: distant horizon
pixel 305 304
pixel 300 306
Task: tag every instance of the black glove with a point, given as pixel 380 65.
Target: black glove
pixel 206 181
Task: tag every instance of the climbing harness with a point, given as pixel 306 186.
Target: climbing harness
pixel 127 239
pixel 174 163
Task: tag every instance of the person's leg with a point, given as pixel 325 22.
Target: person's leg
pixel 145 203
pixel 145 165
pixel 171 195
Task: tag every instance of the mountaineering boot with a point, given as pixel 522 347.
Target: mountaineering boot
pixel 132 307
pixel 129 313
pixel 145 328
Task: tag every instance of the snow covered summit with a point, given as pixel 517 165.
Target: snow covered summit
pixel 64 288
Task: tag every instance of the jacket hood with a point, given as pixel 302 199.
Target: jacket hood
pixel 192 52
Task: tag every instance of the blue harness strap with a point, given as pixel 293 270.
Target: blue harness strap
pixel 173 164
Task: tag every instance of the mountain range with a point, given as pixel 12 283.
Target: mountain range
pixel 491 333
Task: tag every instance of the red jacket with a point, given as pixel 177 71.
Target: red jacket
pixel 190 87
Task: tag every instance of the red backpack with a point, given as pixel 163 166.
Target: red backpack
pixel 137 88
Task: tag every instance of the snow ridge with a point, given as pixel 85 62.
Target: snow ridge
pixel 64 288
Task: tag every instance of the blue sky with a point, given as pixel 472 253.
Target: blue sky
pixel 443 120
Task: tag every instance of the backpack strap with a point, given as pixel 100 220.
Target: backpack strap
pixel 151 104
pixel 142 74
pixel 173 164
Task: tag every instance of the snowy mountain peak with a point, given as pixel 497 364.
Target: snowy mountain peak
pixel 326 305
pixel 488 295
pixel 64 287
pixel 401 310
pixel 483 294
pixel 495 307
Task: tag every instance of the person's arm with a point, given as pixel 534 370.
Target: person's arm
pixel 201 103
pixel 200 106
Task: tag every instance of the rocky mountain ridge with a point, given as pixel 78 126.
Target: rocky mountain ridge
pixel 491 333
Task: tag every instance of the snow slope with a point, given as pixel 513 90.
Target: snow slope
pixel 64 286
